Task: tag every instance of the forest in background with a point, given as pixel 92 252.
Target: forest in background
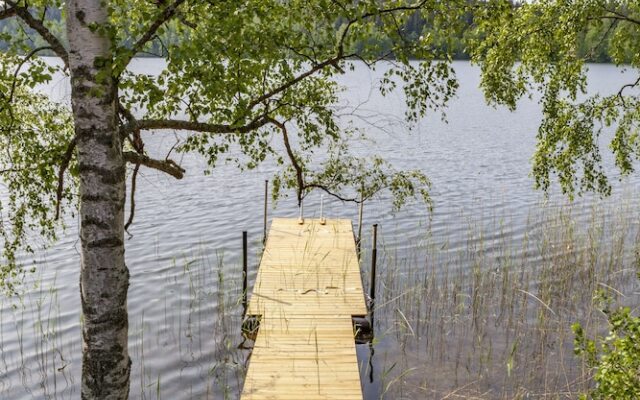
pixel 592 46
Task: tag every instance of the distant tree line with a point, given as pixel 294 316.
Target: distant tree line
pixel 592 45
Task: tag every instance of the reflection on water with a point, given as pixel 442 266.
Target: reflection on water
pixel 369 374
pixel 464 295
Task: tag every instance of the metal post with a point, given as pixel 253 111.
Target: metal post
pixel 372 287
pixel 266 197
pixel 244 272
pixel 359 241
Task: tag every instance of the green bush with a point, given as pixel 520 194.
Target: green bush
pixel 614 359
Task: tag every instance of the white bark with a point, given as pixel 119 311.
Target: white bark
pixel 104 277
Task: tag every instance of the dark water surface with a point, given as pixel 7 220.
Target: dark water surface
pixel 184 251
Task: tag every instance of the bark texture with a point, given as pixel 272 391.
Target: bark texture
pixel 104 277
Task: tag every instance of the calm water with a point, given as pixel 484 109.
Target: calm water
pixel 184 251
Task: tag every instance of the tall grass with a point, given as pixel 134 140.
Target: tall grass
pixel 492 318
pixel 183 344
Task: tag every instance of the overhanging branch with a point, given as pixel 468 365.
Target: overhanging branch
pixel 203 127
pixel 317 67
pixel 627 86
pixel 332 193
pixel 339 55
pixel 294 161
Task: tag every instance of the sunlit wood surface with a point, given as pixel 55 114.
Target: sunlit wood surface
pixel 307 289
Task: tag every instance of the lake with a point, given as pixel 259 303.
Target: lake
pixel 184 254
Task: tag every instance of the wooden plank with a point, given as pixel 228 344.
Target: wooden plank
pixel 306 291
pixel 314 357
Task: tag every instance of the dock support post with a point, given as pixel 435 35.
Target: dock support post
pixel 372 286
pixel 361 206
pixel 266 199
pixel 244 272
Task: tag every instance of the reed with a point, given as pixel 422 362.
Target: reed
pixel 492 319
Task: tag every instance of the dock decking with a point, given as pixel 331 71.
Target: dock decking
pixel 307 289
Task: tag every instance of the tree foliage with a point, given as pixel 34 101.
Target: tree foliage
pixel 34 133
pixel 539 47
pixel 244 80
pixel 614 359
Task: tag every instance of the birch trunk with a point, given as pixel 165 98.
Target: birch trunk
pixel 104 277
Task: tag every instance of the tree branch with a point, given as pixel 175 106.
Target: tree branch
pixel 45 33
pixel 164 16
pixel 620 16
pixel 333 61
pixel 22 62
pixel 138 146
pixel 331 193
pixel 292 157
pixel 604 37
pixel 203 127
pixel 168 166
pixel 126 113
pixel 627 86
pixel 288 84
pixel 7 13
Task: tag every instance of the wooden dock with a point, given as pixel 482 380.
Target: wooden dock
pixel 307 290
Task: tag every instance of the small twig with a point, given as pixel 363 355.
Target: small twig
pixel 172 147
pixel 43 15
pixel 20 65
pixel 329 62
pixel 612 25
pixel 332 193
pixel 165 49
